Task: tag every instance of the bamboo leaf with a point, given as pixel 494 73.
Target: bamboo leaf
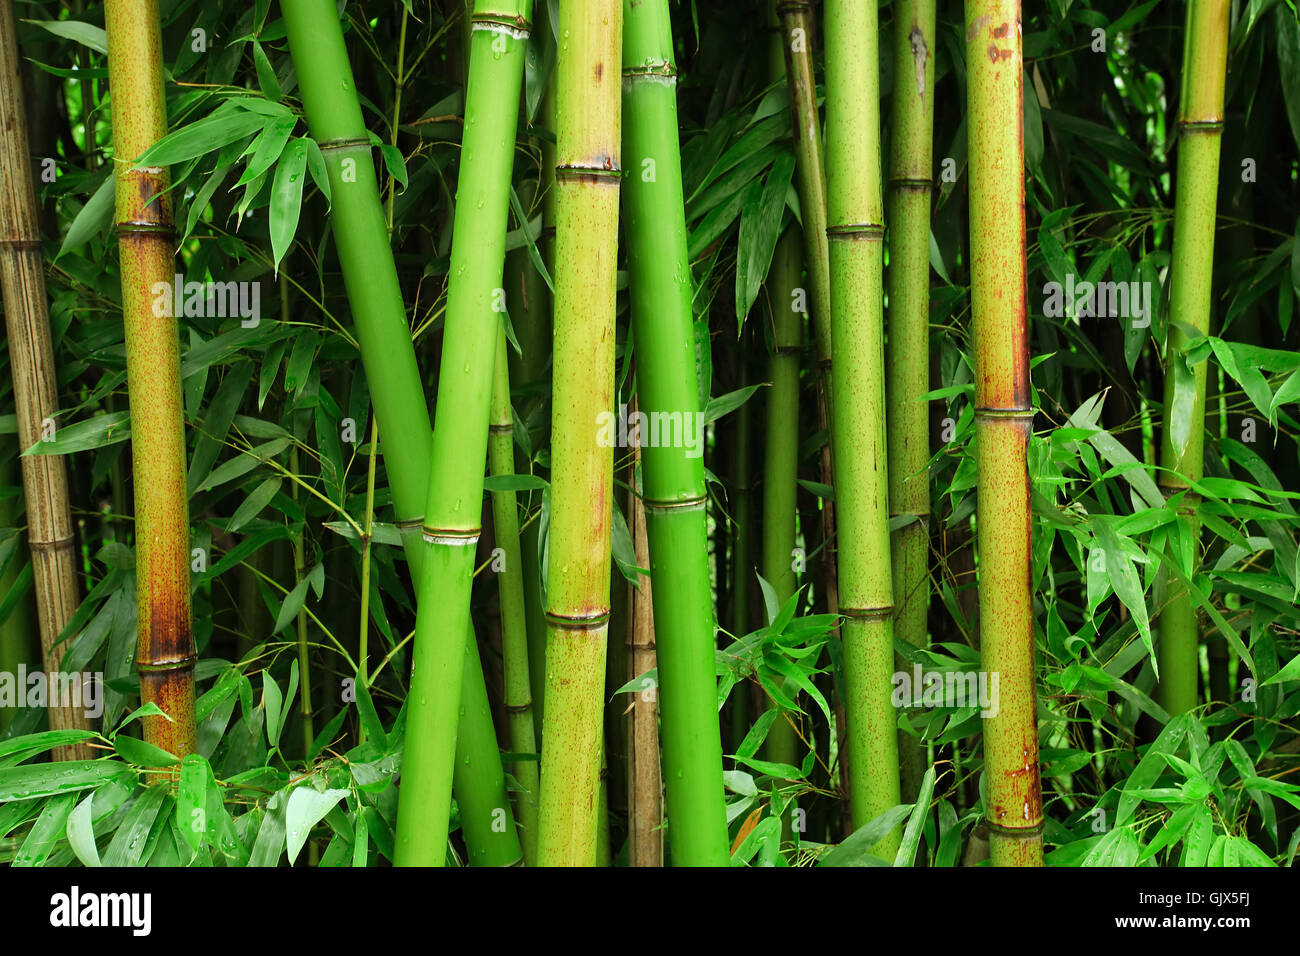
pixel 94 216
pixel 856 849
pixel 760 227
pixel 43 780
pixel 272 698
pixel 46 832
pixel 96 432
pixel 201 137
pixel 141 753
pixel 86 34
pixel 307 807
pixel 266 80
pixel 81 833
pixel 286 198
pixel 252 506
pixel 726 404
pixel 906 855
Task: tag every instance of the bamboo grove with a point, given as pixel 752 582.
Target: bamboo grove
pixel 637 433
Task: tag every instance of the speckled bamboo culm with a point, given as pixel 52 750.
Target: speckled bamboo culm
pixel 165 654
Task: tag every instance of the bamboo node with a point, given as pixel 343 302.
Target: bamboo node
pixel 452 537
pixel 1010 414
pixel 349 143
pixel 919 185
pixel 578 622
pixel 655 506
pixel 868 613
pixel 22 245
pixel 1016 833
pixel 58 544
pixel 1200 126
pixel 513 25
pixel 503 428
pixel 135 227
pixel 518 708
pixel 856 232
pixel 595 175
pixel 173 664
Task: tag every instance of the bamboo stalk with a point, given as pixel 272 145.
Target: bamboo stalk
pixel 475 300
pixel 31 363
pixel 586 243
pixel 644 779
pixel 797 30
pixel 856 230
pixel 1200 130
pixel 361 236
pixel 672 471
pixel 510 586
pixel 907 369
pixel 165 656
pixel 1004 421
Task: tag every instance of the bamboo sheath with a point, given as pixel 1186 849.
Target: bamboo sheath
pixel 856 232
pixel 36 400
pixel 1200 130
pixel 1003 425
pixel 361 237
pixel 165 655
pixel 587 176
pixel 674 496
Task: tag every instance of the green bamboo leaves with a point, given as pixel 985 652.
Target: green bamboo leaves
pixel 286 197
pixel 1004 420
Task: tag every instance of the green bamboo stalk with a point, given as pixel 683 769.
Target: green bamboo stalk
pixel 1004 420
pixel 475 302
pixel 530 312
pixel 855 212
pixel 798 23
pixel 510 585
pixel 586 244
pixel 31 364
pixel 672 473
pixel 165 655
pixel 907 369
pixel 1200 130
pixel 361 236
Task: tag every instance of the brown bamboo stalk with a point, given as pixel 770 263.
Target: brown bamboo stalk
pixel 31 359
pixel 165 654
pixel 644 781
